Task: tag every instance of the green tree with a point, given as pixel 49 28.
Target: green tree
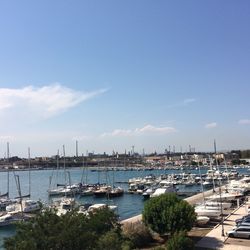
pixel 70 231
pixel 180 241
pixel 168 214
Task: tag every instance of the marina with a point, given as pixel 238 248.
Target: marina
pixel 128 204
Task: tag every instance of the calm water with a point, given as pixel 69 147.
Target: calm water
pixel 128 205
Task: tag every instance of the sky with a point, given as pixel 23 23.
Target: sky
pixel 117 74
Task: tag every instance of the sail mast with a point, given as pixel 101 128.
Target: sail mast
pixel 8 172
pixel 29 171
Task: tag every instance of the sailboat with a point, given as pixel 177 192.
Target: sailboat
pixel 115 191
pixel 204 209
pixel 55 191
pixel 24 205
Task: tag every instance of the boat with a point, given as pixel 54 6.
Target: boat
pixel 202 220
pixel 25 206
pixel 8 219
pixel 115 192
pixel 225 205
pixel 211 213
pixel 63 205
pixel 98 206
pixel 163 190
pixel 102 191
pixel 146 194
pixel 225 197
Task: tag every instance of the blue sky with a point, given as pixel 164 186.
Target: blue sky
pixel 112 74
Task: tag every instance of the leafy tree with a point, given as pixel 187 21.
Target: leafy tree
pixel 70 231
pixel 180 241
pixel 168 214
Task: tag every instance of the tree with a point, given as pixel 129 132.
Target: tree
pixel 168 214
pixel 70 231
pixel 180 241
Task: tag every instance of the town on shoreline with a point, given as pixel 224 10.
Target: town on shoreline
pixel 130 161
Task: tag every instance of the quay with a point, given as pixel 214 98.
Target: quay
pixel 197 198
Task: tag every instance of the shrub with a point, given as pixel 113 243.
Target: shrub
pixel 168 214
pixel 180 241
pixel 137 233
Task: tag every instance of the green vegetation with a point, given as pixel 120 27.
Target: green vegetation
pixel 180 241
pixel 99 230
pixel 137 234
pixel 168 214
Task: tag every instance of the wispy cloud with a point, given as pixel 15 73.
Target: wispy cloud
pixel 48 100
pixel 182 103
pixel 211 125
pixel 244 121
pixel 81 138
pixel 146 130
pixel 6 137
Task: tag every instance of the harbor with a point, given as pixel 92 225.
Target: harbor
pixel 187 185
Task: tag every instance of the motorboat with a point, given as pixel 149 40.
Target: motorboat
pixel 115 192
pixel 211 213
pixel 64 205
pixel 163 190
pixel 8 219
pixel 26 206
pixel 202 220
pixel 98 206
pixel 225 205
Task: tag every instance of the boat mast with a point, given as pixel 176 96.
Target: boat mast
pixel 19 193
pixel 221 210
pixel 29 172
pixel 8 172
pixel 64 166
pixel 202 188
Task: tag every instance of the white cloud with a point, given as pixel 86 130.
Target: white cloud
pixel 46 101
pixel 81 138
pixel 183 103
pixel 244 121
pixel 187 101
pixel 6 137
pixel 211 125
pixel 148 129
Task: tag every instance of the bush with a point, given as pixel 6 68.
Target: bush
pixel 110 240
pixel 180 241
pixel 70 231
pixel 168 214
pixel 137 233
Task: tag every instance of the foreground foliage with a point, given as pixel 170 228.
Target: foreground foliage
pixel 168 214
pixel 180 241
pixel 137 234
pixel 99 230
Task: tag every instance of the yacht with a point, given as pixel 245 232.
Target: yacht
pixel 26 206
pixel 8 219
